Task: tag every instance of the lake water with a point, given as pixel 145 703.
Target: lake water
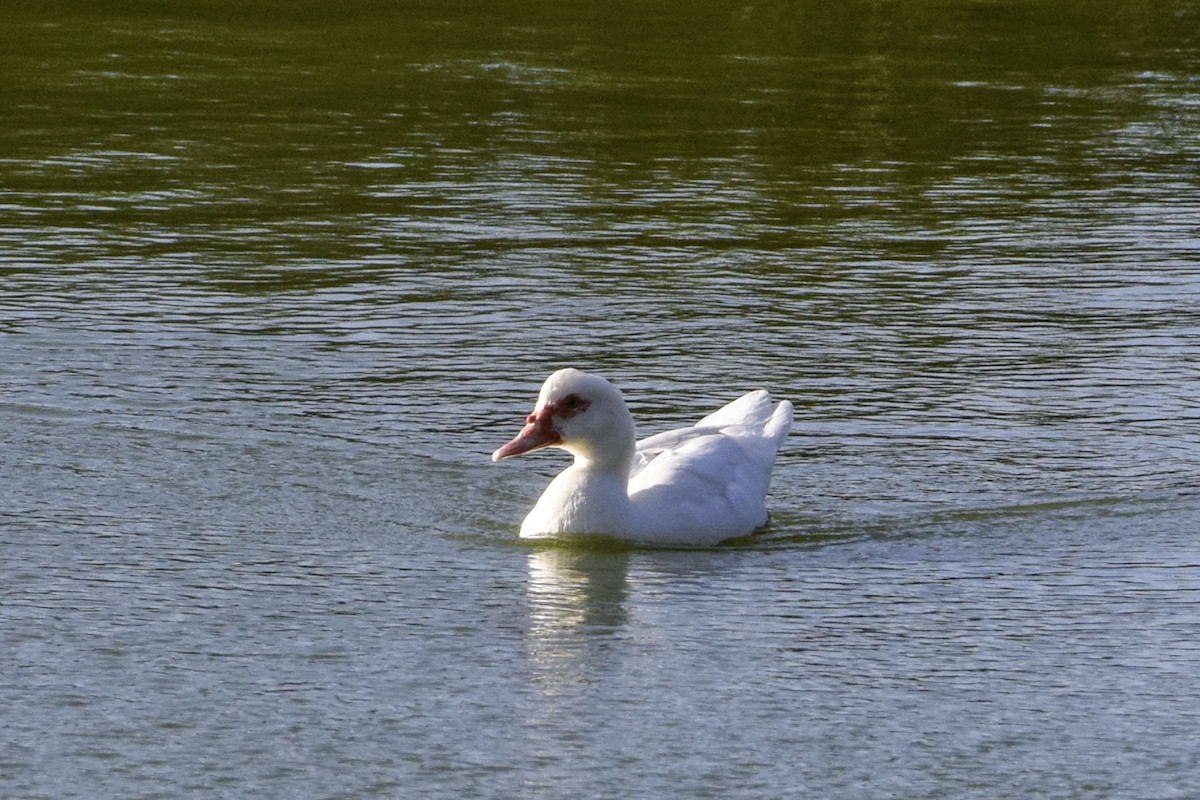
pixel 275 281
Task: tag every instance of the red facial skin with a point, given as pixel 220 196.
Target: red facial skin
pixel 540 430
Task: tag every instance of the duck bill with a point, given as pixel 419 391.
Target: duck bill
pixel 536 434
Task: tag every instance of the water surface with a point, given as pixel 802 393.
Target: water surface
pixel 273 286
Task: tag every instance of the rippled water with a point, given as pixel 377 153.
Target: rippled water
pixel 272 289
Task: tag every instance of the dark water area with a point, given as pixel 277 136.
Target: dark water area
pixel 276 279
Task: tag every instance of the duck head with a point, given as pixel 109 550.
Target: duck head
pixel 580 413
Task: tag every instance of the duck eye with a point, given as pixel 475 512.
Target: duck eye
pixel 572 402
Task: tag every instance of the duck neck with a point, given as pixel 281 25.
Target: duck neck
pixel 612 455
pixel 607 463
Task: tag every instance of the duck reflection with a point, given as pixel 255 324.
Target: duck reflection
pixel 571 589
pixel 577 597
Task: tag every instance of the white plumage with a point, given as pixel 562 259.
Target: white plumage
pixel 691 486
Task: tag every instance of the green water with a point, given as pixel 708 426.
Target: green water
pixel 275 279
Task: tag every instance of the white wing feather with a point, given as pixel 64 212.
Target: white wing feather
pixel 717 471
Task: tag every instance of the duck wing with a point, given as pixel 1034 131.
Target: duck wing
pixel 751 416
pixel 707 483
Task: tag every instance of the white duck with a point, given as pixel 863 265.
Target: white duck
pixel 691 486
